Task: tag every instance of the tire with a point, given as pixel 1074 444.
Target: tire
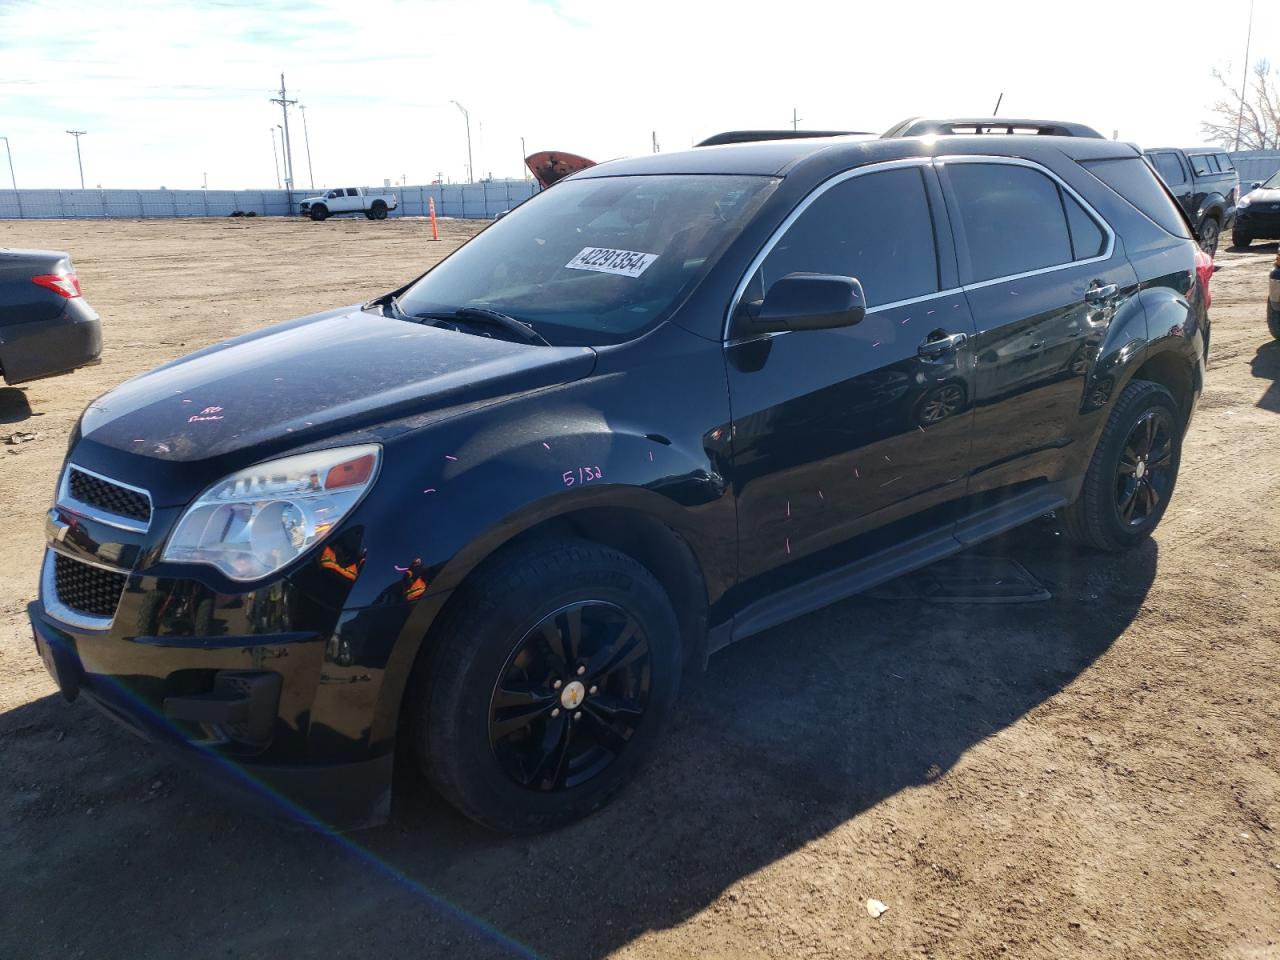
pixel 1101 517
pixel 1240 241
pixel 368 215
pixel 491 733
pixel 379 210
pixel 319 212
pixel 1210 232
pixel 1273 321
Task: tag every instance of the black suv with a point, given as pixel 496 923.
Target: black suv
pixel 1205 183
pixel 668 403
pixel 1258 213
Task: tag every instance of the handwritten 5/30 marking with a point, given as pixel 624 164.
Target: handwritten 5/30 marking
pixel 581 475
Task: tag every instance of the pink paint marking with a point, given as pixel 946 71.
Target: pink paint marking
pixel 788 509
pixel 400 569
pixel 651 456
pixel 876 344
pixel 139 441
pixel 820 496
pixel 547 445
pixel 886 459
pixel 429 490
pixel 906 321
pixel 920 428
pixel 856 473
pixel 454 459
pixel 788 546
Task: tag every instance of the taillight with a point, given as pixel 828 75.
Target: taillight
pixel 64 284
pixel 1204 273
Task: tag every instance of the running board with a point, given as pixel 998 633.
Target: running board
pixel 854 578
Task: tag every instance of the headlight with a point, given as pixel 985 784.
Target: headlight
pixel 255 521
pixel 1243 202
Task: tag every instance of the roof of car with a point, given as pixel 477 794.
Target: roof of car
pixel 1189 151
pixel 777 157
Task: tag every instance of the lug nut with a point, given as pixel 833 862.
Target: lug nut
pixel 556 685
pixel 594 690
pixel 555 712
pixel 581 671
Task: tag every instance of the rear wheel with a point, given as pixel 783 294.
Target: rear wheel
pixel 1240 241
pixel 1210 230
pixel 1132 473
pixel 547 685
pixel 1273 320
pixel 379 210
pixel 319 212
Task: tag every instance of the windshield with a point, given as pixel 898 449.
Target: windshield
pixel 1273 183
pixel 594 261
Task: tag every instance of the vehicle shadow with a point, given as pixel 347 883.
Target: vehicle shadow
pixel 1266 366
pixel 789 735
pixel 14 405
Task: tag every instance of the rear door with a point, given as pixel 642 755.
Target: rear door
pixel 847 439
pixel 1043 275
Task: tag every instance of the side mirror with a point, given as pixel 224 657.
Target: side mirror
pixel 1255 185
pixel 808 301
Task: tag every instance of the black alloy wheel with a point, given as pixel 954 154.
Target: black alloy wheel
pixel 1209 231
pixel 571 696
pixel 1144 477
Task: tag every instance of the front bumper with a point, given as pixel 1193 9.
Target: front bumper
pixel 1258 224
pixel 44 348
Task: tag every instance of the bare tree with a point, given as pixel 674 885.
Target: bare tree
pixel 1252 123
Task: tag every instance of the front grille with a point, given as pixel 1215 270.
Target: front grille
pixel 109 496
pixel 89 590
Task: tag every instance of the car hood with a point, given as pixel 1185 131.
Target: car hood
pixel 300 382
pixel 1264 195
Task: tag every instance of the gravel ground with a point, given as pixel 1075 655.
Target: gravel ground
pixel 1095 774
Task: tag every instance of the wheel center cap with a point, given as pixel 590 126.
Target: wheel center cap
pixel 572 695
pixel 1140 470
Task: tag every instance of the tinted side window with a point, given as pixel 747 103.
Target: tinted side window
pixel 1012 219
pixel 1225 163
pixel 876 227
pixel 1169 167
pixel 352 192
pixel 1087 238
pixel 1200 164
pixel 1133 180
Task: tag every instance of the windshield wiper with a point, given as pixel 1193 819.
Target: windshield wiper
pixel 494 318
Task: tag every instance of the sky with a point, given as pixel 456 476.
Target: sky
pixel 172 93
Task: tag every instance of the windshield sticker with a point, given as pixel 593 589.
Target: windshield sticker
pixel 624 263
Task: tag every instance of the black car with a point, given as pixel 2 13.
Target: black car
pixel 1258 213
pixel 1205 183
pixel 46 326
pixel 668 403
pixel 1273 301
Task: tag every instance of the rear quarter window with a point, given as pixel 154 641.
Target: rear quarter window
pixel 1200 164
pixel 1137 183
pixel 1225 163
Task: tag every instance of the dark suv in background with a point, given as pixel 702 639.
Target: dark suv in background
pixel 1205 183
pixel 666 404
pixel 1258 213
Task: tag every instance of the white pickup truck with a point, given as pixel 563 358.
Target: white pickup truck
pixel 348 200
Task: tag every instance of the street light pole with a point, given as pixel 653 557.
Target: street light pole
pixel 10 153
pixel 275 156
pixel 471 177
pixel 307 140
pixel 522 157
pixel 77 134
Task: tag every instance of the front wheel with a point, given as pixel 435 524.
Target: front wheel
pixel 1273 320
pixel 1240 241
pixel 1132 473
pixel 319 212
pixel 546 684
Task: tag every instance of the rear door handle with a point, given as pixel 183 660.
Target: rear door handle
pixel 1100 293
pixel 941 345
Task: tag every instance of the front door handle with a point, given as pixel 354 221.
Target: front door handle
pixel 1100 293
pixel 936 347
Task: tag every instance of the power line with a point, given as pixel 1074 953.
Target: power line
pixel 307 140
pixel 275 155
pixel 1244 84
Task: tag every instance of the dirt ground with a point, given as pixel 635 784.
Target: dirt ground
pixel 1097 774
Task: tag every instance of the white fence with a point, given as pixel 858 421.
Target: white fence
pixel 476 201
pixel 1255 166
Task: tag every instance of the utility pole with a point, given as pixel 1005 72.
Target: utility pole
pixel 655 141
pixel 795 119
pixel 206 182
pixel 307 140
pixel 523 166
pixel 998 100
pixel 285 103
pixel 10 153
pixel 470 174
pixel 1244 84
pixel 275 156
pixel 77 134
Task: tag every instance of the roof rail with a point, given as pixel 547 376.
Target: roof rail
pixel 922 126
pixel 751 136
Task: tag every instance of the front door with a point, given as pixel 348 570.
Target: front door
pixel 1043 277
pixel 845 438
